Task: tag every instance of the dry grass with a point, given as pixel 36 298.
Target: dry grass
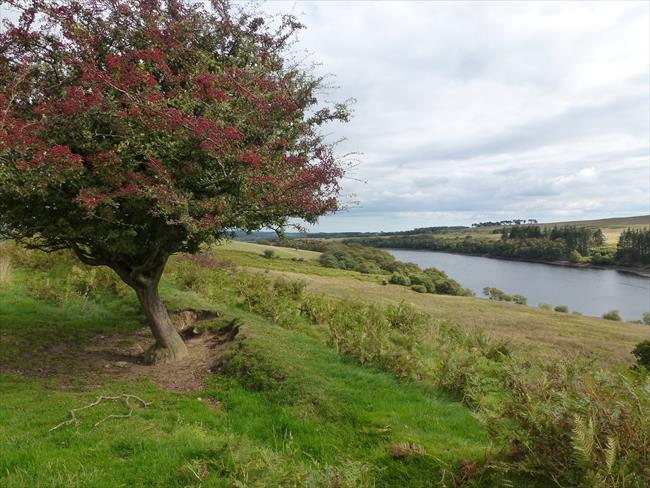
pixel 258 249
pixel 612 228
pixel 5 270
pixel 543 333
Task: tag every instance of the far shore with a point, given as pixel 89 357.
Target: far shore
pixel 634 270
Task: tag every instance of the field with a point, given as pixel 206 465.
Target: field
pixel 284 410
pixel 611 227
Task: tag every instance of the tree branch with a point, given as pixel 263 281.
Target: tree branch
pixel 87 258
pixel 125 397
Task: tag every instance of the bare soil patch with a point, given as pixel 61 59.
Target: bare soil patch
pixel 90 363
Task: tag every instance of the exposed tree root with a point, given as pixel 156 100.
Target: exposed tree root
pixel 125 397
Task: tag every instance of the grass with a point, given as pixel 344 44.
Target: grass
pixel 258 250
pixel 280 409
pixel 5 271
pixel 249 255
pixel 286 411
pixel 544 333
pixel 611 227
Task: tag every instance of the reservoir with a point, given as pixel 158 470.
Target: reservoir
pixel 588 291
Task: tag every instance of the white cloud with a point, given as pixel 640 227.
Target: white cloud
pixel 486 110
pixel 472 111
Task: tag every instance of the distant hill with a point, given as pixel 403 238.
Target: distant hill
pixel 611 223
pixel 611 227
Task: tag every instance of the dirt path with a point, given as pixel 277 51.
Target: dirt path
pixel 103 358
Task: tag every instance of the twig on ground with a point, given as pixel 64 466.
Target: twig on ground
pixel 125 397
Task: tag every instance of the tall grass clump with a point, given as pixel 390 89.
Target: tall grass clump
pixel 578 425
pixel 382 337
pixel 468 363
pixel 573 424
pixel 80 284
pixel 35 260
pixel 5 270
pixel 370 334
pixel 276 300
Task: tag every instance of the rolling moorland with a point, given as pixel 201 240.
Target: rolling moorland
pixel 611 227
pixel 304 375
pixel 622 243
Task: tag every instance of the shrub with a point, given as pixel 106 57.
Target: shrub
pixel 317 308
pixel 496 294
pixel 575 424
pixel 612 315
pixel 368 267
pixel 82 282
pixel 190 275
pixel 646 318
pixel 272 300
pixel 419 288
pixel 545 306
pixel 642 353
pixel 43 289
pixel 575 257
pixel 561 309
pixel 600 258
pixel 32 259
pixel 359 331
pixel 328 260
pixel 570 424
pixel 269 254
pixel 364 332
pixel 424 280
pixel 469 361
pixel 406 319
pixel 206 260
pixel 519 299
pixel 399 279
pixel 293 289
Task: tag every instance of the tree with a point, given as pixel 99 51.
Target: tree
pixel 135 129
pixel 642 353
pixel 612 315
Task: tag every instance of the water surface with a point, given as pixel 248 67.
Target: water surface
pixel 588 291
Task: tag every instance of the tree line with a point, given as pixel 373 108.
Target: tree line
pixel 634 246
pixel 572 243
pixel 505 222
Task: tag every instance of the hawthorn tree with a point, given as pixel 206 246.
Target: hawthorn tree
pixel 135 129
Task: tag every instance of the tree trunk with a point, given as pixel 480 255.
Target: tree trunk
pixel 169 345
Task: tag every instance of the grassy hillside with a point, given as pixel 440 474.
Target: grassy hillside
pixel 611 227
pixel 543 332
pixel 298 415
pixel 274 396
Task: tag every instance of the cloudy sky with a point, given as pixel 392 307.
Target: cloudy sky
pixel 475 111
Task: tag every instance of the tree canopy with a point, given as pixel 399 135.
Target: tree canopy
pixel 134 129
